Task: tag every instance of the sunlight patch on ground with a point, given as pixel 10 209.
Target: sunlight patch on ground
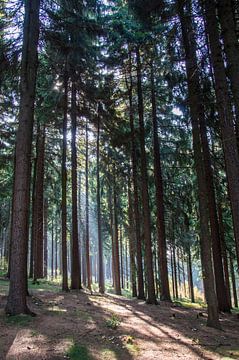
pixel 25 346
pixel 108 354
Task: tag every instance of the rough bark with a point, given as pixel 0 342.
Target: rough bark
pixel 16 302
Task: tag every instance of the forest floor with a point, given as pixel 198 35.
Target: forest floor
pixel 78 325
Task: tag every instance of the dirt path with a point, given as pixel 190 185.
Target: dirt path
pixel 82 326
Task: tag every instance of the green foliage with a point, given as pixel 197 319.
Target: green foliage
pixel 18 320
pixel 78 352
pixel 113 322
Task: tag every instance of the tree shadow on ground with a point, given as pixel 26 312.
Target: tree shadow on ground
pixel 80 320
pixel 176 321
pixel 64 321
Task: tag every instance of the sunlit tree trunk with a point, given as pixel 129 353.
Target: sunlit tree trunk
pixel 234 288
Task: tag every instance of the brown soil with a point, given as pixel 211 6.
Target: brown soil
pixel 144 332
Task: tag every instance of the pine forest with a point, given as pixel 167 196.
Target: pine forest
pixel 119 179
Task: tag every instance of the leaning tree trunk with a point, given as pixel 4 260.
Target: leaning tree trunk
pixel 75 271
pixel 63 184
pixel 151 298
pixel 16 302
pixel 225 116
pixel 100 244
pixel 196 112
pixel 162 247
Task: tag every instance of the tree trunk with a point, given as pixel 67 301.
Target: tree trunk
pixel 116 240
pixel 190 276
pixel 231 47
pixel 183 273
pixel 136 213
pixel 100 244
pixel 75 271
pixel 132 246
pixel 196 113
pixel 56 248
pixel 224 256
pixel 37 221
pixel 175 273
pixel 87 239
pixel 32 226
pixel 234 288
pixel 52 247
pixel 45 237
pixel 162 247
pixel 64 183
pixel 16 302
pixel 151 298
pixel 172 271
pixel 121 257
pixel 225 116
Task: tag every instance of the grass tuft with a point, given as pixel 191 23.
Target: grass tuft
pixel 78 352
pixel 20 320
pixel 113 322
